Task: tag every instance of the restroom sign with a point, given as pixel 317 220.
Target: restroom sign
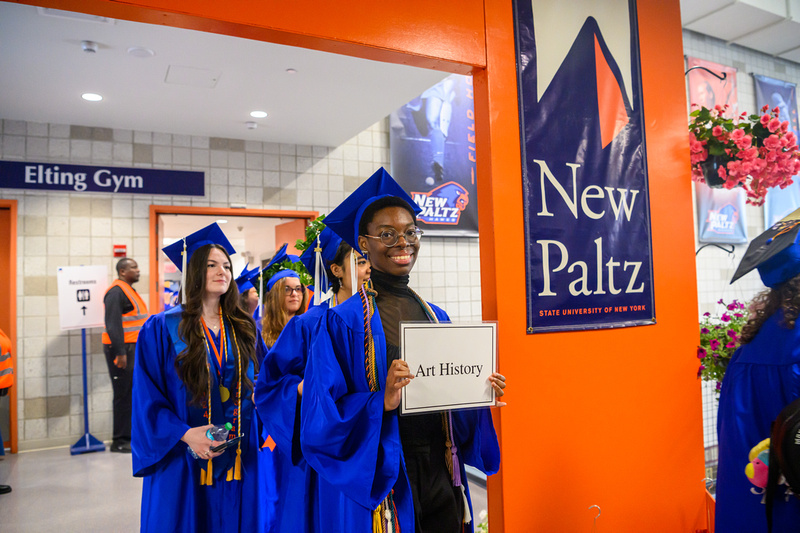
pixel 81 290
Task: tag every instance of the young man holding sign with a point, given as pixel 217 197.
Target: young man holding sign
pixel 391 471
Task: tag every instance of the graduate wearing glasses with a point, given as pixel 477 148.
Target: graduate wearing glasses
pixel 285 295
pixel 195 369
pixel 390 472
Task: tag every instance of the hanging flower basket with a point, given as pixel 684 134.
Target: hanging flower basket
pixel 756 152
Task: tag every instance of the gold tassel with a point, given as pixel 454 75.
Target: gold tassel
pixel 210 473
pixel 202 477
pixel 377 525
pixel 237 466
pixel 230 475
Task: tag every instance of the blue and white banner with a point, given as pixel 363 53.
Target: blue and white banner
pixel 783 95
pixel 114 180
pixel 586 201
pixel 720 215
pixel 432 144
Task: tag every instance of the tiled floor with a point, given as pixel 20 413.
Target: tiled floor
pixel 94 492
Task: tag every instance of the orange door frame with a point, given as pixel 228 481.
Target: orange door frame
pixel 9 299
pixel 156 210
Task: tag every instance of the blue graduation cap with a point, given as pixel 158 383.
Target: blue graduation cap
pixel 317 256
pixel 775 253
pixel 181 251
pixel 245 279
pixel 345 218
pixel 279 257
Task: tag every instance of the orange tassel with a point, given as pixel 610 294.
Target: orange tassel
pixel 230 475
pixel 202 477
pixel 237 466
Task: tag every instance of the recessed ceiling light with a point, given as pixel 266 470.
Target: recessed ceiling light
pixel 140 51
pixel 91 97
pixel 222 221
pixel 258 114
pixel 291 71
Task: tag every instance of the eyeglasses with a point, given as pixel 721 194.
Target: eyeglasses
pixel 289 290
pixel 390 237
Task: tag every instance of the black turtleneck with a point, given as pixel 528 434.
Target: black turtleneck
pixel 436 503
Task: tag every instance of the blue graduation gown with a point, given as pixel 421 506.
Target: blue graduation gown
pixel 172 497
pixel 761 379
pixel 352 443
pixel 278 408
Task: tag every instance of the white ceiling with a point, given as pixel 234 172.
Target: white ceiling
pixel 769 26
pixel 330 98
pixel 196 83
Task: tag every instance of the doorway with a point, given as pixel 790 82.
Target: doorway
pixel 254 233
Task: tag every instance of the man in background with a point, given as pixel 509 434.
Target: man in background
pixel 125 315
pixel 6 381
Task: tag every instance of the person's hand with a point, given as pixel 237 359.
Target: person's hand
pixel 498 382
pixel 121 361
pixel 197 440
pixel 398 377
pixel 300 388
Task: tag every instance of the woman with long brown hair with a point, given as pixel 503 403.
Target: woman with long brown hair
pixel 285 297
pixel 195 367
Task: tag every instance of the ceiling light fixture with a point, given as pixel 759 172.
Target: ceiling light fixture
pixel 90 47
pixel 222 221
pixel 91 97
pixel 258 114
pixel 251 125
pixel 140 51
pixel 291 71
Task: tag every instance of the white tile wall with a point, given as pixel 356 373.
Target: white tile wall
pixel 714 266
pixel 57 229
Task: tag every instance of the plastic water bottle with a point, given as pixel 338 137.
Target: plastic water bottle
pixel 217 433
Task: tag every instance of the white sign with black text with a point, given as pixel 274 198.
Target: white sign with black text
pixel 81 290
pixel 451 364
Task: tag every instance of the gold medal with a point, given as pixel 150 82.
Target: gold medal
pixel 224 393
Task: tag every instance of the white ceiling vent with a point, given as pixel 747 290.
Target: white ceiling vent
pixel 48 12
pixel 194 77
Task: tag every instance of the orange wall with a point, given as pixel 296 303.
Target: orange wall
pixel 609 418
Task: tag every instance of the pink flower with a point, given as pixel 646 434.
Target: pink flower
pixel 773 142
pixel 714 344
pixel 732 334
pixel 773 125
pixel 706 314
pixel 705 331
pixel 718 131
pixel 738 315
pixel 765 120
pixel 725 317
pixel 701 352
pixel 731 345
pixel 737 134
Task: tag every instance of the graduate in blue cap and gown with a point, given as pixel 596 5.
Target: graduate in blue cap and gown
pixel 195 369
pixel 392 472
pixel 279 386
pixel 761 379
pixel 247 291
pixel 285 294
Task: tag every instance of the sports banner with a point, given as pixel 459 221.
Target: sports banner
pixel 720 212
pixel 783 95
pixel 433 156
pixel 587 217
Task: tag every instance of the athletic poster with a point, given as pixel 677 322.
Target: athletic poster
pixel 433 156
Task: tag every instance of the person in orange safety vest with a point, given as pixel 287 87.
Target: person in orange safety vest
pixel 6 381
pixel 125 314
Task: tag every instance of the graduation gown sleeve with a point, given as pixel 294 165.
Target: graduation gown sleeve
pixel 276 397
pixel 158 418
pixel 346 435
